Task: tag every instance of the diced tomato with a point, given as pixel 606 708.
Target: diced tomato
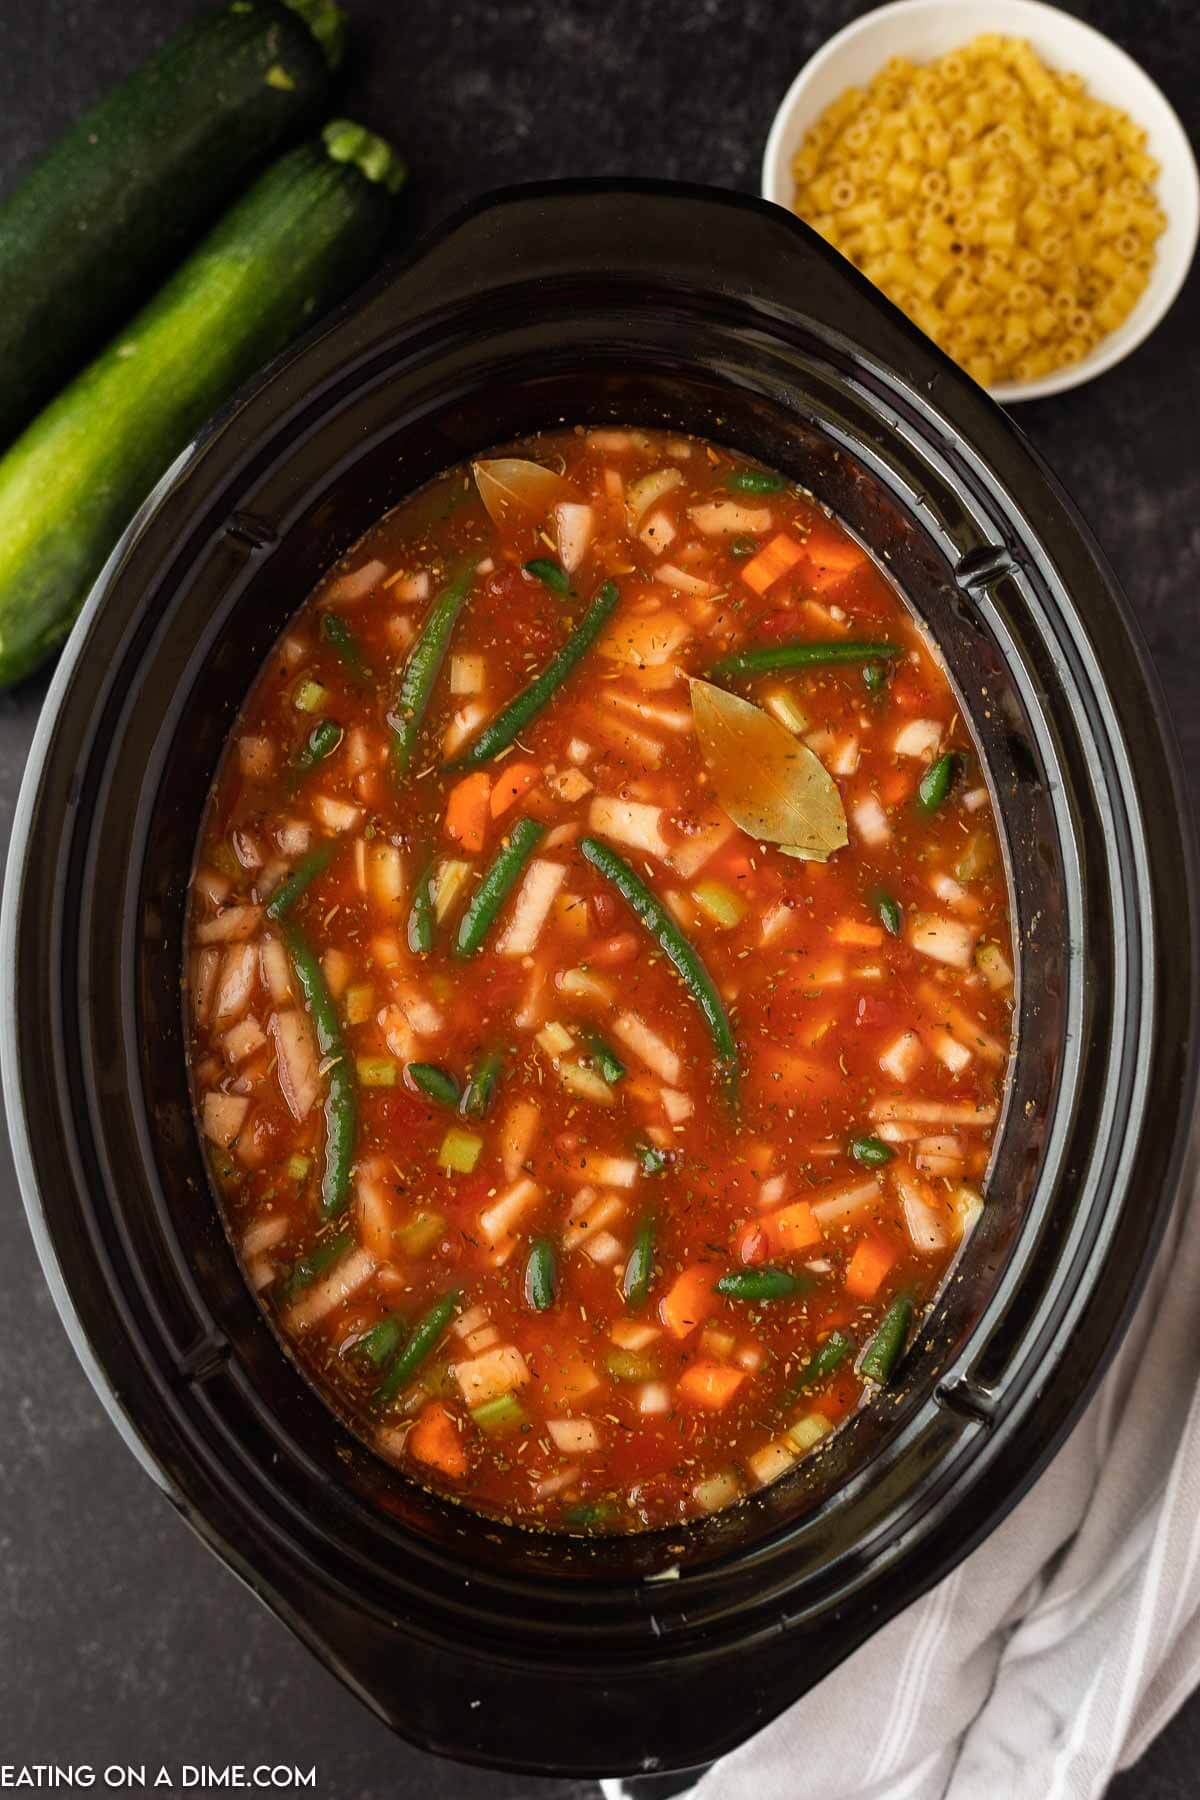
pixel 785 622
pixel 897 785
pixel 873 1259
pixel 710 1384
pixel 435 1439
pixel 689 1300
pixel 907 692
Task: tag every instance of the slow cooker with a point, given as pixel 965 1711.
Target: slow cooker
pixel 637 303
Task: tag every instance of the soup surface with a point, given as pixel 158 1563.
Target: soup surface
pixel 599 981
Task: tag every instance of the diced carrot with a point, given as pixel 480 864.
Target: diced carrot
pixel 759 1158
pixel 570 1382
pixel 774 560
pixel 791 1228
pixel 467 810
pixel 873 1258
pixel 710 1384
pixel 513 780
pixel 896 786
pixel 691 1298
pixel 832 559
pixel 850 931
pixel 434 1439
pixel 907 693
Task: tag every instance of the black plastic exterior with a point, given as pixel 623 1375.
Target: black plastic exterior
pixel 647 304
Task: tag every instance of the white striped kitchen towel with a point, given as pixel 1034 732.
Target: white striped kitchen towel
pixel 1053 1655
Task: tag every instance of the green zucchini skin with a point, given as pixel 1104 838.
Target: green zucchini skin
pixel 304 235
pixel 111 207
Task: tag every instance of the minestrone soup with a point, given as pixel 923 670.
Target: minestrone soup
pixel 599 981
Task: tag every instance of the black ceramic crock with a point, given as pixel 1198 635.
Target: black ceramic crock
pixel 644 304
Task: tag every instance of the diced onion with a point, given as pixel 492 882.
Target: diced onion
pixel 345 1278
pixel 574 1437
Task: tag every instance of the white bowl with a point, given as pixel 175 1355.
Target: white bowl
pixel 923 29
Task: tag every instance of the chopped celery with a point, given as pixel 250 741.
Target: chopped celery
pixel 297 1166
pixel 421 1233
pixel 716 1492
pixel 722 905
pixel 585 1083
pixel 627 1365
pixel 994 966
pixel 554 1038
pixel 976 858
pixel 360 1003
pixel 652 1159
pixel 808 1431
pixel 588 1513
pixel 449 883
pixel 502 1414
pixel 309 696
pixel 377 1071
pixel 460 1151
pixel 785 709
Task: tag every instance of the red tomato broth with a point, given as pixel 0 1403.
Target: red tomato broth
pixel 691 1402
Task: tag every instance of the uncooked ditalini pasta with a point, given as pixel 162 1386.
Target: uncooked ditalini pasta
pixel 1011 215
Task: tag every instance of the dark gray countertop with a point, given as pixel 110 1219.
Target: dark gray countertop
pixel 120 1638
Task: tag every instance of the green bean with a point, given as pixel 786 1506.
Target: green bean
pixel 936 782
pixel 875 676
pixel 512 719
pixel 798 656
pixel 763 1284
pixel 602 1055
pixel 880 1355
pixel 549 572
pixel 891 916
pixel 481 1085
pixel 322 741
pixel 439 1084
pixel 496 886
pixel 639 1268
pixel 422 1343
pixel 652 1159
pixel 755 481
pixel 338 634
pixel 662 928
pixel 421 918
pixel 300 879
pixel 837 1349
pixel 872 1152
pixel 323 1257
pixel 341 1100
pixel 423 668
pixel 381 1342
pixel 541 1276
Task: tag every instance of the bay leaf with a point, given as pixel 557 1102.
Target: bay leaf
pixel 803 855
pixel 515 490
pixel 771 785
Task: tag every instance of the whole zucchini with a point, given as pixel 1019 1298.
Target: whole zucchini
pixel 299 239
pixel 116 202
